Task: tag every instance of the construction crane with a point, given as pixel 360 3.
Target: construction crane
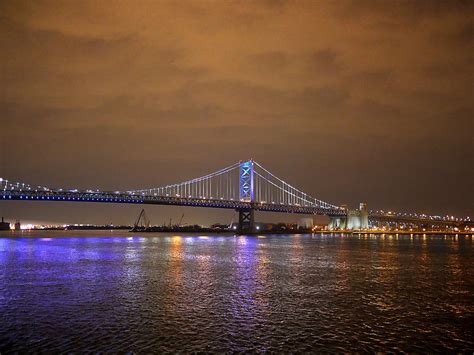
pixel 142 222
pixel 231 222
pixel 181 220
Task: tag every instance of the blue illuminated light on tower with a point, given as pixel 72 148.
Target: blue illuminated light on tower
pixel 246 181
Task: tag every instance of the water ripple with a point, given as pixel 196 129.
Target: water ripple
pixel 224 294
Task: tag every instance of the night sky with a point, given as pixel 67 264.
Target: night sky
pixel 348 100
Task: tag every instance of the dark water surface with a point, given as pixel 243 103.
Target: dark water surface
pixel 104 291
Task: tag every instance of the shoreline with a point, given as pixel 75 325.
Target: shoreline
pixel 15 233
pixel 411 232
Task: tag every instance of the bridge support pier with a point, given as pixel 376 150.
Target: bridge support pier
pixel 246 221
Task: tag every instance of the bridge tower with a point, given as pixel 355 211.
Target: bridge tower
pixel 246 193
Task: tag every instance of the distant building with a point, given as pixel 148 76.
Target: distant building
pixel 17 226
pixel 4 226
pixel 306 223
pixel 355 219
pixel 364 215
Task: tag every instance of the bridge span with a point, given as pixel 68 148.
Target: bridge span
pixel 245 186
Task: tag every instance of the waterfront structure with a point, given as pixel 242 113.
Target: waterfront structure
pixel 354 219
pixel 4 226
pixel 305 223
pixel 245 186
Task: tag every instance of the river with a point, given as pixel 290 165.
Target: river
pixel 119 291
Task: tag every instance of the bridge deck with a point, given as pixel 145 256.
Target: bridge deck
pixel 112 197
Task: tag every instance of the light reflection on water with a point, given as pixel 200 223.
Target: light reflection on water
pixel 68 291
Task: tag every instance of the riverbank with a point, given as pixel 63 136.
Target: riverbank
pixel 407 232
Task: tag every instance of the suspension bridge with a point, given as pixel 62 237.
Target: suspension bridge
pixel 245 186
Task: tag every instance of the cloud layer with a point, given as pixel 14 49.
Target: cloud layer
pixel 350 100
